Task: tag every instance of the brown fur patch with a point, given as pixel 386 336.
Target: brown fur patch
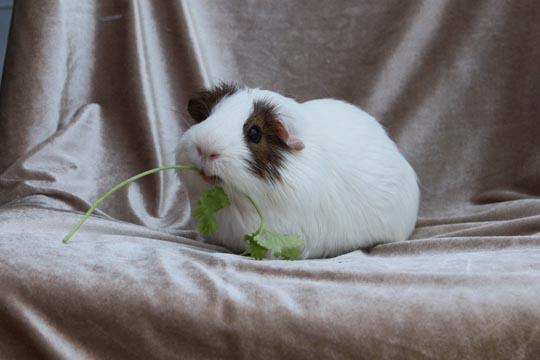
pixel 268 154
pixel 202 104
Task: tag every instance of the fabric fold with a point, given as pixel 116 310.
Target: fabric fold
pixel 96 92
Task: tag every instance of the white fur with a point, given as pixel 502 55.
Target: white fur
pixel 349 188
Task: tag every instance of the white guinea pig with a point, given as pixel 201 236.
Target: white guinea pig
pixel 323 170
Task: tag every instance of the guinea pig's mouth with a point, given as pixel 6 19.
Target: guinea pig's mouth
pixel 210 179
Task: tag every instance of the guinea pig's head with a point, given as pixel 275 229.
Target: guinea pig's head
pixel 241 137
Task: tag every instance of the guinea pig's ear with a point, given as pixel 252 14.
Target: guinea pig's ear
pixel 202 104
pixel 288 134
pixel 198 109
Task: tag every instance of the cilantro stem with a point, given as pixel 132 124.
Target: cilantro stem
pixel 261 226
pixel 118 187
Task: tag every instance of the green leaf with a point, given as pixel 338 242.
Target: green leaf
pixel 254 249
pixel 210 202
pixel 281 244
pixel 262 241
pixel 284 246
pixel 289 253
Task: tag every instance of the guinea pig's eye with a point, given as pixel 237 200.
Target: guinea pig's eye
pixel 254 134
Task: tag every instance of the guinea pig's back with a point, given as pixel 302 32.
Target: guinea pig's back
pixel 343 135
pixel 361 169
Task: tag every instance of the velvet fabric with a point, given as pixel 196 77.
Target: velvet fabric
pixel 95 91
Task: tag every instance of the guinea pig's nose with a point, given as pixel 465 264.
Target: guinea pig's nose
pixel 206 153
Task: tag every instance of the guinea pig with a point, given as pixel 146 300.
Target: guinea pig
pixel 323 170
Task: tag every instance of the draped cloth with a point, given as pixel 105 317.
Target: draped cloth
pixel 95 91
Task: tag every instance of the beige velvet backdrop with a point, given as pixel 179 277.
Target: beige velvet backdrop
pixel 94 91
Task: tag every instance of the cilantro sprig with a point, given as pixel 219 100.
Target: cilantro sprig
pixel 210 202
pixel 111 191
pixel 259 243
